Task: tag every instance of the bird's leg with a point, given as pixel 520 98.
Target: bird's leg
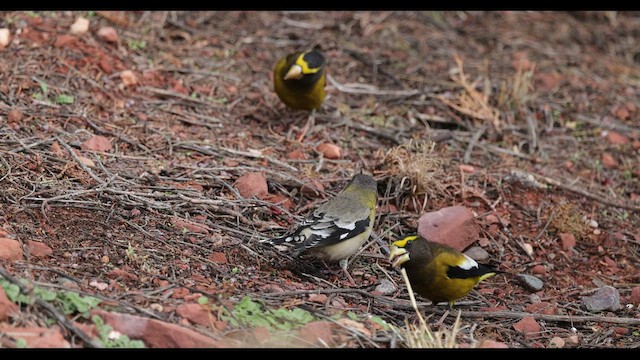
pixel 344 264
pixel 311 120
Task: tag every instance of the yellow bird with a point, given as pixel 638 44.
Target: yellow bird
pixel 338 228
pixel 299 80
pixel 435 271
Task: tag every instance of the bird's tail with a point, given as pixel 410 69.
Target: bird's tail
pixel 277 240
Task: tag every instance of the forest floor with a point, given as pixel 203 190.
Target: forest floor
pixel 129 152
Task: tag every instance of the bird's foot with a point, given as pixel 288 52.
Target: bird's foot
pixel 311 120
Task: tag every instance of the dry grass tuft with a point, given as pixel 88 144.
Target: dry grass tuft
pixel 418 163
pixel 470 101
pixel 567 219
pixel 420 335
pixel 520 91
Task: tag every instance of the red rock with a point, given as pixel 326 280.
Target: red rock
pixel 539 270
pixel 218 258
pixel 261 335
pixel 281 200
pixel 492 219
pixel 312 188
pixel 621 330
pixel 37 337
pixel 128 78
pixel 610 262
pixel 616 138
pixel 635 144
pixel 492 344
pixel 97 143
pixel 297 155
pixel 547 81
pixel 568 241
pixel 195 313
pixel 10 249
pixel 622 113
pixel 542 307
pixel 609 161
pixel 57 150
pixel 108 34
pixel 7 308
pixel 453 226
pixel 317 333
pixel 467 168
pixel 528 326
pixel 387 209
pixel 330 151
pixel 635 295
pixel 556 343
pixel 573 339
pixel 157 334
pixel 15 116
pixel 87 328
pixel 64 40
pixel 318 298
pixel 119 273
pixel 38 249
pixel 181 224
pixel 252 184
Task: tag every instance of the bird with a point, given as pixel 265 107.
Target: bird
pixel 339 227
pixel 299 79
pixel 436 271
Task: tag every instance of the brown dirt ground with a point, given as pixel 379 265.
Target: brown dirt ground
pixel 552 94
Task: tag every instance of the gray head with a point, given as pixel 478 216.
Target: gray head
pixel 365 181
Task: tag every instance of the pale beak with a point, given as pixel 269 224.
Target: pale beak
pixel 398 256
pixel 294 73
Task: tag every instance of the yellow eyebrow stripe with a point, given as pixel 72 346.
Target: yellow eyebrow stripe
pixel 403 242
pixel 305 67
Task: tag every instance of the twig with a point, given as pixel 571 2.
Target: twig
pixel 179 96
pixel 235 152
pixel 554 318
pixel 348 122
pixel 607 125
pixel 102 131
pixel 371 91
pixel 474 139
pixel 531 126
pixel 319 291
pixel 60 317
pixel 582 192
pixel 301 24
pixel 203 72
pixel 80 163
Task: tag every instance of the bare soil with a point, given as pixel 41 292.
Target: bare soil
pixel 159 221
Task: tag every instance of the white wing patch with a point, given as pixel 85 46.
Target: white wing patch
pixel 468 263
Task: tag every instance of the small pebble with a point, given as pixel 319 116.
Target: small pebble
pixel 530 282
pixel 477 253
pixel 556 343
pixel 386 287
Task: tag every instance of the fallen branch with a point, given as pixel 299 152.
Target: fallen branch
pixel 554 318
pixel 576 190
pixel 360 89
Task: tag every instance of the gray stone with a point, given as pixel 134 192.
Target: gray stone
pixel 606 298
pixel 386 287
pixel 478 254
pixel 530 282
